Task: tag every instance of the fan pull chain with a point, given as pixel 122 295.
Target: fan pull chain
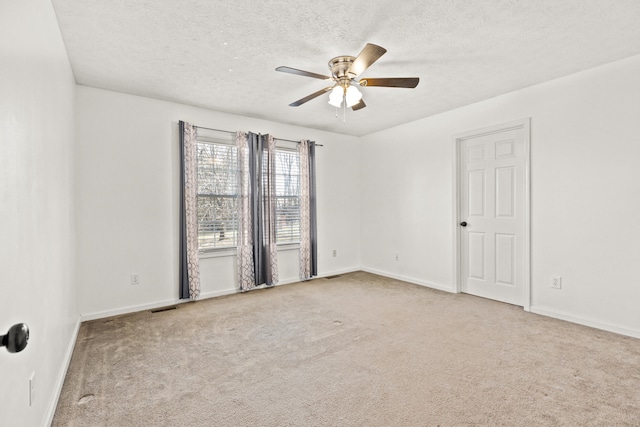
pixel 344 112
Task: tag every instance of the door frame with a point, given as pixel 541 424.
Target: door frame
pixel 525 125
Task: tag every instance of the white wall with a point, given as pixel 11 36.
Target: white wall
pixel 37 283
pixel 585 147
pixel 128 193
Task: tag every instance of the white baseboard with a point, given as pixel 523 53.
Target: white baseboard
pixel 130 309
pixel 205 295
pixel 62 374
pixel 549 312
pixel 409 279
pixel 288 281
pixel 153 305
pixel 338 272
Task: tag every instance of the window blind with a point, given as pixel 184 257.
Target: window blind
pixel 217 162
pixel 287 196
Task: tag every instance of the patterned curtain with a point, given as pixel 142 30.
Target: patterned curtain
pixel 267 262
pixel 257 251
pixel 189 270
pixel 246 275
pixel 308 226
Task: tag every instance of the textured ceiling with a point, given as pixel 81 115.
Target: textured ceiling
pixel 222 55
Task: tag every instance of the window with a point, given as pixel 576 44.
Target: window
pixel 217 194
pixel 217 160
pixel 287 196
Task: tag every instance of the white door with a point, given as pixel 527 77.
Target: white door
pixel 492 215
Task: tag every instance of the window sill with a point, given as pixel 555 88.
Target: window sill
pixel 289 247
pixel 218 253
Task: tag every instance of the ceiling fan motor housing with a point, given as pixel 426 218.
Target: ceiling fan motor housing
pixel 339 67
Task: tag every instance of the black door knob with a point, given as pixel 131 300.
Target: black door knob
pixel 463 223
pixel 16 339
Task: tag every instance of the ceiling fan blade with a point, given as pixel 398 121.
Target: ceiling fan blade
pixel 360 105
pixel 302 73
pixel 368 56
pixel 310 97
pixel 408 82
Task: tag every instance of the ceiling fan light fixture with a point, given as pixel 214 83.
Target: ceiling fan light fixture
pixel 352 96
pixel 336 95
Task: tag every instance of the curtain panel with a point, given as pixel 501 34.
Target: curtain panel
pixel 308 221
pixel 189 269
pixel 246 275
pixel 266 250
pixel 257 254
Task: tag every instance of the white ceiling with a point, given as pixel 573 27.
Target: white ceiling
pixel 222 55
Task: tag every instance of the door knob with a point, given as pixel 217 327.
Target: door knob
pixel 16 339
pixel 463 223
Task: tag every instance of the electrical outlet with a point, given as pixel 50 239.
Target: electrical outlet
pixel 135 279
pixel 556 282
pixel 32 388
pixel 335 253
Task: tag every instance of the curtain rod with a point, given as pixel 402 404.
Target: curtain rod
pixel 231 132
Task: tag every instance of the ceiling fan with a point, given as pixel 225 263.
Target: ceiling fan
pixel 344 77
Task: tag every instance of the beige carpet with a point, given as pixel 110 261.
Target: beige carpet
pixel 356 350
